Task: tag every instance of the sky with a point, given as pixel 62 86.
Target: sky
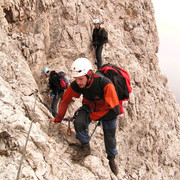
pixel 167 15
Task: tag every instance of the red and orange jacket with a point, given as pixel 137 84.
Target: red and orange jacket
pixel 100 96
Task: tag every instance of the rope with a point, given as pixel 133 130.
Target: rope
pixel 24 150
pixel 51 110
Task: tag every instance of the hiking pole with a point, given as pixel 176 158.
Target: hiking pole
pixel 98 124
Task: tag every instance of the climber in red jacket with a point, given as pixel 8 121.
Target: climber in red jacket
pixel 100 102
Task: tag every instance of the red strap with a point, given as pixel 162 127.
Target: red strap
pixel 121 107
pixel 127 78
pixel 104 69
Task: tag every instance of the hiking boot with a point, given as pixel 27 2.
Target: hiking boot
pixel 113 165
pixel 82 152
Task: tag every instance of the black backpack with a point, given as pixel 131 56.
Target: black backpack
pixel 105 35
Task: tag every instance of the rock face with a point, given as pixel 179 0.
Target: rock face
pixel 37 33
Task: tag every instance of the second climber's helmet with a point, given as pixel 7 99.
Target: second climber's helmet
pixel 80 67
pixel 45 70
pixel 96 21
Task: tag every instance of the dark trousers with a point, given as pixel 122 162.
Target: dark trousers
pixel 99 49
pixel 81 124
pixel 55 103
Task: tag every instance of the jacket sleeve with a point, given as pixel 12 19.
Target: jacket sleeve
pixel 66 99
pixel 112 100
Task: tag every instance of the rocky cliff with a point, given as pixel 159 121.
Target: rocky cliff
pixel 36 33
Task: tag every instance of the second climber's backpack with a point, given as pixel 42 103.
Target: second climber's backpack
pixel 121 80
pixel 62 80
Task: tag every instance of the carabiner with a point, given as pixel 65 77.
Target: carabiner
pixel 69 131
pixel 69 128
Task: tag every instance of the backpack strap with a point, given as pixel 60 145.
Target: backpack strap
pixel 100 73
pixel 127 78
pixel 106 68
pixel 100 30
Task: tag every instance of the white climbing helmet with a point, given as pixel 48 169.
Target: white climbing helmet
pixel 96 21
pixel 80 67
pixel 45 70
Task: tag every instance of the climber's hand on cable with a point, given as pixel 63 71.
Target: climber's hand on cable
pixel 53 120
pixel 56 120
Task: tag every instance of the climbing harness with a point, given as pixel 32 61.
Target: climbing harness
pixel 85 107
